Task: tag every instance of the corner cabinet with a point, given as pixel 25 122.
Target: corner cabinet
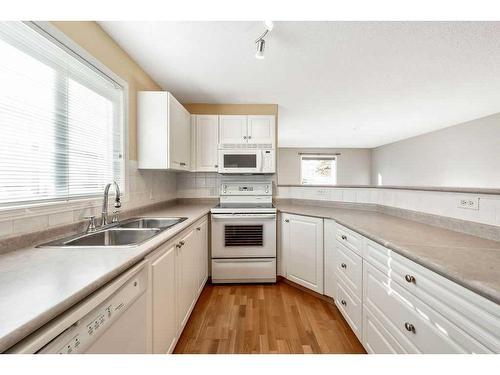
pixel 302 250
pixel 163 132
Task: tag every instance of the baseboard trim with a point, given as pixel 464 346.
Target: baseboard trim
pixel 304 289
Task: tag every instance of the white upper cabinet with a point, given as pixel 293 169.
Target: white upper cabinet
pixel 261 129
pixel 251 129
pixel 233 129
pixel 163 132
pixel 205 133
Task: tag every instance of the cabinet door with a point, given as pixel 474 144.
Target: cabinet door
pixel 180 135
pixel 261 129
pixel 186 277
pixel 207 137
pixel 202 261
pixel 330 277
pixel 164 302
pixel 303 245
pixel 232 129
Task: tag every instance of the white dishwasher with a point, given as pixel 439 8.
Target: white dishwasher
pixel 113 320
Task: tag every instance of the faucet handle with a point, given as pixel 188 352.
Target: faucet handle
pixel 91 226
pixel 115 216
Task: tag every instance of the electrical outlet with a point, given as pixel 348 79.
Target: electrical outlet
pixel 469 203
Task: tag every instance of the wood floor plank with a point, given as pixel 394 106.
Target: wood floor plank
pixel 262 319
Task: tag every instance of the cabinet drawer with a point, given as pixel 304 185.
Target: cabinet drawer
pixel 349 266
pixel 243 270
pixel 349 238
pixel 350 307
pixel 376 338
pixel 472 313
pixel 417 327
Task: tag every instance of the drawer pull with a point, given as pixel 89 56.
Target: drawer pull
pixel 344 237
pixel 343 302
pixel 343 265
pixel 287 221
pixel 410 327
pixel 410 278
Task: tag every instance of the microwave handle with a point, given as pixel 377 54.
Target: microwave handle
pixel 260 161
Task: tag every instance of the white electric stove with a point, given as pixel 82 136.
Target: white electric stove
pixel 244 233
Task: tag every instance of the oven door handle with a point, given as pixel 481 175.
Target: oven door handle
pixel 244 217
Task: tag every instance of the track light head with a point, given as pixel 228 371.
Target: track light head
pixel 261 44
pixel 269 25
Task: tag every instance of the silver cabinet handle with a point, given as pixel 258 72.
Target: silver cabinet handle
pixel 343 302
pixel 182 243
pixel 182 163
pixel 410 279
pixel 287 221
pixel 343 265
pixel 244 137
pixel 344 237
pixel 410 327
pixel 198 228
pixel 249 137
pixel 216 166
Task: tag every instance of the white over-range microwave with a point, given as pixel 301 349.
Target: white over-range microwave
pixel 254 161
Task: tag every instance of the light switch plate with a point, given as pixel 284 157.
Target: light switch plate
pixel 469 203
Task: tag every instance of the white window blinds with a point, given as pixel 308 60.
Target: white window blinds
pixel 61 121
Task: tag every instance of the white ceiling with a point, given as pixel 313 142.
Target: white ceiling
pixel 337 84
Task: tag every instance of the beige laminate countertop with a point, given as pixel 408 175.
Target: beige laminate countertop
pixel 470 261
pixel 36 285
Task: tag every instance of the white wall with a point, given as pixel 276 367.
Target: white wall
pixel 353 166
pixel 464 155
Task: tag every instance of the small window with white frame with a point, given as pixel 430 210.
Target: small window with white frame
pixel 318 169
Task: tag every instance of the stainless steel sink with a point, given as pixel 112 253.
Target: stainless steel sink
pixel 152 222
pixel 131 232
pixel 107 238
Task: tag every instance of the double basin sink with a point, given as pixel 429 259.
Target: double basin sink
pixel 130 232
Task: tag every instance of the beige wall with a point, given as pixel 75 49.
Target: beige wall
pixel 232 109
pixel 98 43
pixel 353 165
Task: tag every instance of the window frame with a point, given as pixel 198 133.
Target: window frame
pixel 40 207
pixel 332 156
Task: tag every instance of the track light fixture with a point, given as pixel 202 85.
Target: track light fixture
pixel 260 42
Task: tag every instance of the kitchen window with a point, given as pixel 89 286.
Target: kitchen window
pixel 61 121
pixel 318 169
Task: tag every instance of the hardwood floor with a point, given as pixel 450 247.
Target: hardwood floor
pixel 265 319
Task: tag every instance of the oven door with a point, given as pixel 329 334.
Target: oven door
pixel 240 161
pixel 243 235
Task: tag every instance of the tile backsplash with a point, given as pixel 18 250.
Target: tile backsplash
pixel 430 202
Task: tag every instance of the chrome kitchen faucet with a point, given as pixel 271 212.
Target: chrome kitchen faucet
pixel 104 212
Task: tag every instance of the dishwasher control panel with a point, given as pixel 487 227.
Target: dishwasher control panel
pixel 81 335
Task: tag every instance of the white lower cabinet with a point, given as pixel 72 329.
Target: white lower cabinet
pixel 394 305
pixel 302 249
pixel 164 318
pixel 351 308
pixel 417 327
pixel 329 277
pixel 179 271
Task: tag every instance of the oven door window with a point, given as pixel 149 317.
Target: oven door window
pixel 243 235
pixel 240 161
